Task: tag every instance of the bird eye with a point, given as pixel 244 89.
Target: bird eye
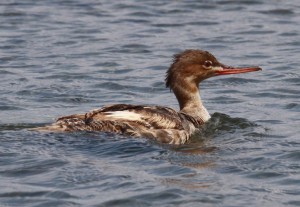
pixel 207 64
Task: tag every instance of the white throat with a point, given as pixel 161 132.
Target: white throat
pixel 195 107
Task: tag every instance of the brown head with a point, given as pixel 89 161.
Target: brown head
pixel 192 66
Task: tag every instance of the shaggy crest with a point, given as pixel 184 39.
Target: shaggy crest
pixel 187 57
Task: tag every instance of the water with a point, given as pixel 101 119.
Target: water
pixel 62 57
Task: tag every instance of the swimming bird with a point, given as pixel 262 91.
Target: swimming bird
pixel 161 123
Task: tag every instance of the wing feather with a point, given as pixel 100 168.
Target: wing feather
pixel 151 116
pixel 161 123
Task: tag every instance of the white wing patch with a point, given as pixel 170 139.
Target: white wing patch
pixel 127 115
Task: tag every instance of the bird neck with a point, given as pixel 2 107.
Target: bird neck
pixel 190 103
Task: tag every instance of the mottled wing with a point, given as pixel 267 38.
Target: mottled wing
pixel 154 117
pixel 160 123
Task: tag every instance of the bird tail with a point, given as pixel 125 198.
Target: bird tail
pixel 64 124
pixel 50 128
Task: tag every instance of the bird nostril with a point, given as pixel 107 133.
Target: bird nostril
pixel 227 67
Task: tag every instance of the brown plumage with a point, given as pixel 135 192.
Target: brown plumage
pixel 164 124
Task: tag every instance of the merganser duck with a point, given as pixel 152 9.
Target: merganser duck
pixel 161 123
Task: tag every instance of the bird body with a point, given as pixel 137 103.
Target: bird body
pixel 161 123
